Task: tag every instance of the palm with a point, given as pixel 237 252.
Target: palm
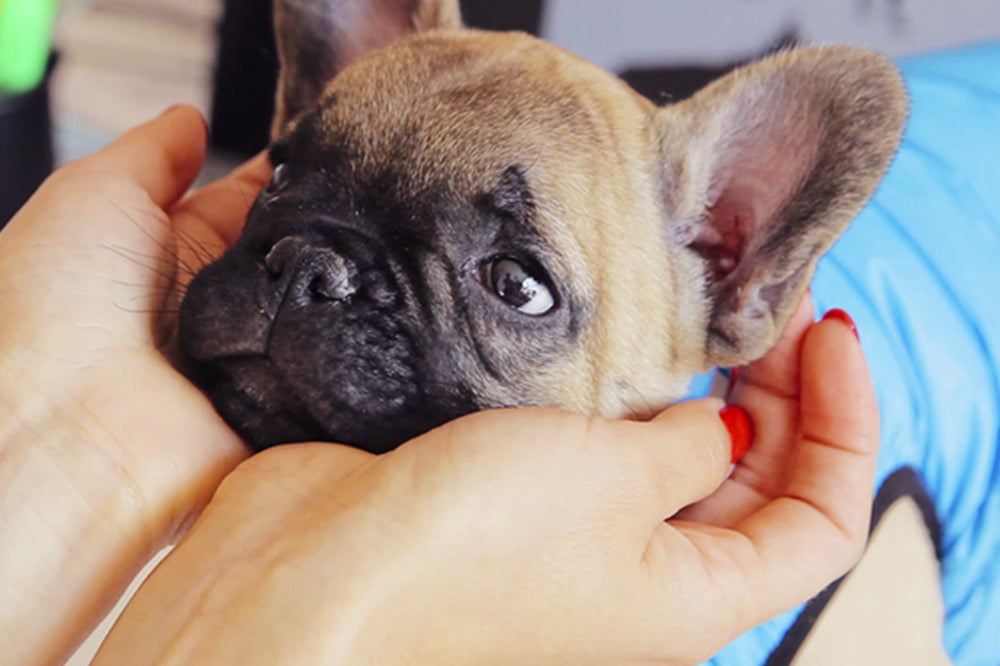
pixel 125 249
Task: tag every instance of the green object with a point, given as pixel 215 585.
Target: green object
pixel 25 40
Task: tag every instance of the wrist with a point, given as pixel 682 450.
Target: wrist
pixel 79 518
pixel 97 474
pixel 74 533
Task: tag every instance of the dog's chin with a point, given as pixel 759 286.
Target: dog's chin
pixel 253 397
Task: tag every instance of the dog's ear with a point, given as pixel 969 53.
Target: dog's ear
pixel 318 38
pixel 762 171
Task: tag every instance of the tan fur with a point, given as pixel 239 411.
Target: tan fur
pixel 622 187
pixel 857 98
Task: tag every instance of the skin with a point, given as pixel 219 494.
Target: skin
pixel 92 451
pixel 476 544
pixel 470 544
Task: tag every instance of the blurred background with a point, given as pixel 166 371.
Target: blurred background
pixel 122 61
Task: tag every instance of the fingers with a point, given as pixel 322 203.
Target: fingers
pixel 840 428
pixel 224 204
pixel 163 156
pixel 777 372
pixel 311 464
pixel 769 390
pixel 683 454
pixel 817 528
pixel 790 547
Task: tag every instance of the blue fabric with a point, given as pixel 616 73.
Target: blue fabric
pixel 919 270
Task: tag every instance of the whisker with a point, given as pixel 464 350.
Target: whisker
pixel 139 259
pixel 204 253
pixel 166 290
pixel 170 249
pixel 156 311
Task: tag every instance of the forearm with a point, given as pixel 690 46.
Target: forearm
pixel 101 465
pixel 106 451
pixel 73 532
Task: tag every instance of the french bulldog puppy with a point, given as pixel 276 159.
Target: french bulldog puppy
pixel 461 220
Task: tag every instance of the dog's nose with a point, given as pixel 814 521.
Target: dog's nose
pixel 307 272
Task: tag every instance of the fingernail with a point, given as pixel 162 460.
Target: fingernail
pixel 842 316
pixel 740 429
pixel 171 109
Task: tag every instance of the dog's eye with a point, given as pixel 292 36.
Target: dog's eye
pixel 279 179
pixel 512 282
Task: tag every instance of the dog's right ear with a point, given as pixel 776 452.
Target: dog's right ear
pixel 318 38
pixel 762 171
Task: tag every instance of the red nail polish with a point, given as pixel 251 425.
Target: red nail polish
pixel 740 429
pixel 842 316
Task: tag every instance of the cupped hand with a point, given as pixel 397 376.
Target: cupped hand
pixel 792 405
pixel 528 536
pixel 106 452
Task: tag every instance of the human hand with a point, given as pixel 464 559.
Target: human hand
pixel 106 452
pixel 771 390
pixel 523 536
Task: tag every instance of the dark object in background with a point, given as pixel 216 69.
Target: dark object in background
pixel 247 65
pixel 673 83
pixel 523 15
pixel 26 154
pixel 246 70
pixel 246 73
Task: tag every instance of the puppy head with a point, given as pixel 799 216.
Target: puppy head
pixel 461 220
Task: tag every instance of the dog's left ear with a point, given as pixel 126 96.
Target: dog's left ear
pixel 762 171
pixel 318 38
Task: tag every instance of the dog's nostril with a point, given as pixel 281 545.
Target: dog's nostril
pixel 320 288
pixel 329 276
pixel 277 257
pixel 310 272
pixel 376 287
pixel 322 274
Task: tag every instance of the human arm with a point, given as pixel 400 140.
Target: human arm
pixel 106 452
pixel 528 536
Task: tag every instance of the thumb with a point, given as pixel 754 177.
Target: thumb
pixel 684 454
pixel 162 156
